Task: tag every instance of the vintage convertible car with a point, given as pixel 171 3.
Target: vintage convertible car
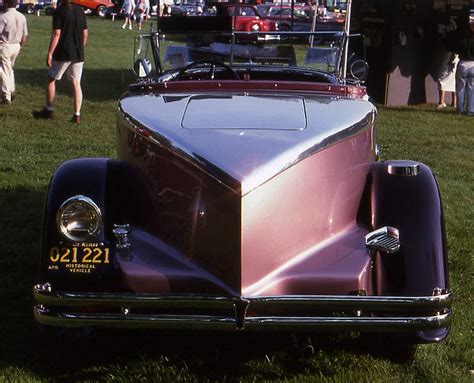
pixel 247 195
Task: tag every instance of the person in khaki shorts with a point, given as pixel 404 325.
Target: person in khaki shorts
pixel 13 34
pixel 66 56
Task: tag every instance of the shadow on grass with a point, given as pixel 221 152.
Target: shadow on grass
pixel 98 85
pixel 127 354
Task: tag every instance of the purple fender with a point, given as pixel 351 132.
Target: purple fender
pixel 83 176
pixel 114 187
pixel 412 204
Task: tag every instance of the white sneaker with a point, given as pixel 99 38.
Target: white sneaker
pixel 130 27
pixel 123 26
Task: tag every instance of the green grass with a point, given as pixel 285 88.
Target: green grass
pixel 30 150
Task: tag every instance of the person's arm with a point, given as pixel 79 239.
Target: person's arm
pixel 23 40
pixel 85 35
pixel 52 45
pixel 24 36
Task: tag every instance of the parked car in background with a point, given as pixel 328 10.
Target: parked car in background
pixel 27 6
pixel 247 18
pixel 263 9
pixel 96 7
pixel 187 8
pixel 32 6
pixel 299 18
pixel 247 195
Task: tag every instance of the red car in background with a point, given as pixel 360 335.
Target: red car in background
pixel 96 7
pixel 248 19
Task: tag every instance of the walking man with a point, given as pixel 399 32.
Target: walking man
pixel 66 56
pixel 13 34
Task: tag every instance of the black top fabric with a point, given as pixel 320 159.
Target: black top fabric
pixel 466 52
pixel 71 21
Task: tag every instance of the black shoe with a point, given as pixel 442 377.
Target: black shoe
pixel 76 119
pixel 43 113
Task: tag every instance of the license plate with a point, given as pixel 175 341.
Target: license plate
pixel 84 258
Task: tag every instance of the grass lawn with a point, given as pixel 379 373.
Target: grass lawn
pixel 30 150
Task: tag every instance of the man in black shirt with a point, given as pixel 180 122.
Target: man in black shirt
pixel 66 55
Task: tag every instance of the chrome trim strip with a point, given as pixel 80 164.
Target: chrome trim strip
pixel 195 322
pixel 215 323
pixel 348 302
pixel 55 309
pixel 44 295
pixel 349 323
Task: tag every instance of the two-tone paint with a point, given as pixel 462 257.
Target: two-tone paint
pixel 248 204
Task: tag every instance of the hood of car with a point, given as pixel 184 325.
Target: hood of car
pixel 247 138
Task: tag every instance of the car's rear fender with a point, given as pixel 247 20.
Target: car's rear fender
pixel 405 195
pixel 412 204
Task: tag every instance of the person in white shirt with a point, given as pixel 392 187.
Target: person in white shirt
pixel 128 9
pixel 13 35
pixel 147 10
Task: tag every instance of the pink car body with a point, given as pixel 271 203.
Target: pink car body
pixel 245 197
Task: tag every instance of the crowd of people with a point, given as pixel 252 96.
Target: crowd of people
pixel 65 56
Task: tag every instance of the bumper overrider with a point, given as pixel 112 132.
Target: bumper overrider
pixel 349 312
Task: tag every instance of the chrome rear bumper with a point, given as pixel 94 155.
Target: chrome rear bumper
pixel 69 309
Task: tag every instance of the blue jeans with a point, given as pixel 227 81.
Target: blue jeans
pixel 465 86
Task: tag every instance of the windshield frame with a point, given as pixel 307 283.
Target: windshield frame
pixel 227 26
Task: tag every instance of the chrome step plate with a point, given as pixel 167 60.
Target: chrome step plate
pixel 386 239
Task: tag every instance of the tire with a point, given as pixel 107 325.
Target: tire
pixel 30 9
pixel 100 11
